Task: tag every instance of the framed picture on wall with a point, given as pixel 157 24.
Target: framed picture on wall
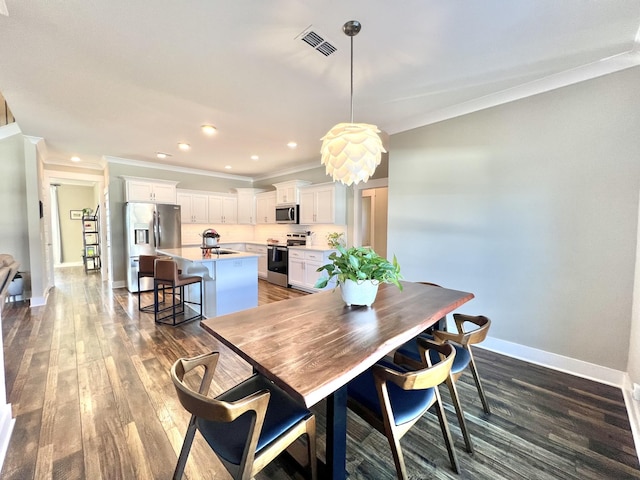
pixel 75 214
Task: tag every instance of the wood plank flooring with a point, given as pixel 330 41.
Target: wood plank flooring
pixel 87 377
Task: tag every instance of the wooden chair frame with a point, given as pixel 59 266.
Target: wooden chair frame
pixel 202 406
pixel 465 339
pixel 422 378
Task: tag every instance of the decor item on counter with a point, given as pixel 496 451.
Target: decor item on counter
pixel 335 239
pixel 359 271
pixel 310 237
pixel 210 238
pixel 16 287
pixel 351 151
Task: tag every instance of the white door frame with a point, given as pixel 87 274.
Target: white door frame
pixel 51 176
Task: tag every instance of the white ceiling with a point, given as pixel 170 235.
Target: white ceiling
pixel 126 79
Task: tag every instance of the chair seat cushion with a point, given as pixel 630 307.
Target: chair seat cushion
pixel 228 439
pixel 406 404
pixel 460 362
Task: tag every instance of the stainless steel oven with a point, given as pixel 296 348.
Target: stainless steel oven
pixel 278 259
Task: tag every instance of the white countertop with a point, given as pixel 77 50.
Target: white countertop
pixel 194 254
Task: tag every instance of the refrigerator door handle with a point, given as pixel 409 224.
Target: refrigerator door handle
pixel 156 228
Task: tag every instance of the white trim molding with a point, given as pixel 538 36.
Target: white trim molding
pixel 572 366
pixel 7 423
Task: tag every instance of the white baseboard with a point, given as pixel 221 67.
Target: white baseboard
pixel 38 301
pixel 6 428
pixel 119 284
pixel 633 410
pixel 579 368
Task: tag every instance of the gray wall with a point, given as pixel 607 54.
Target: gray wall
pixel 533 206
pixel 13 219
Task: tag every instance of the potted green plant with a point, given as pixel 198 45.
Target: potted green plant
pixel 334 239
pixel 359 271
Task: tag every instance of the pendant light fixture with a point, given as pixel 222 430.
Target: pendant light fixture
pixel 351 151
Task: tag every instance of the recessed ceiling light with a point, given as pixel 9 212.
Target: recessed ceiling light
pixel 75 159
pixel 162 155
pixel 292 144
pixel 208 129
pixel 184 146
pixel 255 157
pixel 228 167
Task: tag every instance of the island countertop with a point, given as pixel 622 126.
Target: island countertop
pixel 194 254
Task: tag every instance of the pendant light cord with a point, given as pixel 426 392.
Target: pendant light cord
pixel 351 79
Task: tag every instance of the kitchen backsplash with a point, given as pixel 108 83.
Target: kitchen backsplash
pixel 258 233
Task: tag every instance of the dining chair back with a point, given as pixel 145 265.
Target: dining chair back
pixel 462 341
pixel 146 266
pixel 392 398
pixel 246 426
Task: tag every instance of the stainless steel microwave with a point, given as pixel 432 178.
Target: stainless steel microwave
pixel 287 214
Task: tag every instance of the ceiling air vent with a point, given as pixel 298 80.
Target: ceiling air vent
pixel 318 43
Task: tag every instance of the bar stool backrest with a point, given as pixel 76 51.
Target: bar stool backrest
pixel 166 269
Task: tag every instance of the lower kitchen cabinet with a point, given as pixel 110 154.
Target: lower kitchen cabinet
pixel 262 259
pixel 303 266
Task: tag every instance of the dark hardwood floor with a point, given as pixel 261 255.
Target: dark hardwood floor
pixel 87 377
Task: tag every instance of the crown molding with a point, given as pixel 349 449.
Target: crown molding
pixel 599 68
pixel 297 169
pixel 174 168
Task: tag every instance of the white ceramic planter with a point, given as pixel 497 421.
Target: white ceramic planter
pixel 16 287
pixel 359 293
pixel 210 242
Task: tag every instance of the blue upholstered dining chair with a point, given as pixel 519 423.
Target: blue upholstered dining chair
pixel 392 398
pixel 247 426
pixel 410 354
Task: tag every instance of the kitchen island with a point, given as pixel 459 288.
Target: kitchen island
pixel 229 278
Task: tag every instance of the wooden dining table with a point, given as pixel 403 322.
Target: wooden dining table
pixel 312 346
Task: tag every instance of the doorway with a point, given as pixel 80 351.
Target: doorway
pixel 370 215
pixel 54 232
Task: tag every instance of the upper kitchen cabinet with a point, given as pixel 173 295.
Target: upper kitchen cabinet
pixel 194 206
pixel 247 205
pixel 323 203
pixel 288 192
pixel 223 208
pixel 150 190
pixel 266 208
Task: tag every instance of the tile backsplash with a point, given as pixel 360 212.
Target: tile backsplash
pixel 259 233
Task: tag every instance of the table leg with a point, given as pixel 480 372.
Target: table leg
pixel 337 434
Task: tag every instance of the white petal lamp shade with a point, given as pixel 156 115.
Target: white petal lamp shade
pixel 351 152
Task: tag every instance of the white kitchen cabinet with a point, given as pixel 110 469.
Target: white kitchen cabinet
pixel 296 268
pixel 323 203
pixel 194 207
pixel 266 208
pixel 247 205
pixel 288 192
pixel 149 190
pixel 303 266
pixel 223 209
pixel 262 259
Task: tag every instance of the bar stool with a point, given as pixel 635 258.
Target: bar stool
pixel 167 275
pixel 146 266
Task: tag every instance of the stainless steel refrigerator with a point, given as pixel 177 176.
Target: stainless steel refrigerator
pixel 148 226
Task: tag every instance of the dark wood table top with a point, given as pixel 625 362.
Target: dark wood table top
pixel 313 345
